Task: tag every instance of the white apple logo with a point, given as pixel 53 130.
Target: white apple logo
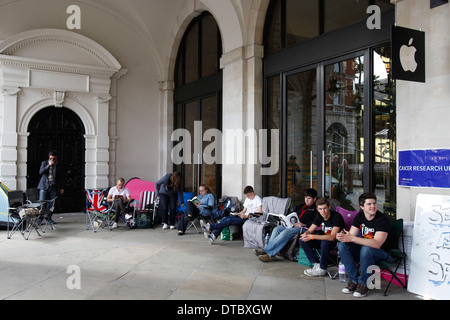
pixel 408 57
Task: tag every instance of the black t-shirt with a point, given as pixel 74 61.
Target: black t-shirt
pixel 307 214
pixel 335 220
pixel 380 222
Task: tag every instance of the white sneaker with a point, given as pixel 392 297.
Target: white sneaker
pixel 114 226
pixel 211 238
pixel 316 271
pixel 172 227
pixel 165 226
pixel 206 229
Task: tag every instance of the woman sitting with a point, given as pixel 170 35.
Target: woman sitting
pixel 202 207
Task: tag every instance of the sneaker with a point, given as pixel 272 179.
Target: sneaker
pixel 165 226
pixel 266 258
pixel 361 290
pixel 205 226
pixel 114 225
pixel 350 288
pixel 206 229
pixel 259 252
pixel 211 238
pixel 315 271
pixel 172 227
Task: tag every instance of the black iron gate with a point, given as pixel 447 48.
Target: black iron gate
pixel 62 130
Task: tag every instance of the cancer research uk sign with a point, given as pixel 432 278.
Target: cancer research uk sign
pixel 424 168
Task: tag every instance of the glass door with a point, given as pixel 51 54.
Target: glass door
pixel 343 153
pixel 324 131
pixel 301 129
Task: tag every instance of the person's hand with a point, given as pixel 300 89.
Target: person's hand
pixel 306 237
pixel 344 236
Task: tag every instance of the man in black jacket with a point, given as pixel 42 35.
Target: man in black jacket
pixel 51 183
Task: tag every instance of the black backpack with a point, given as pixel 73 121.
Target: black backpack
pixel 144 220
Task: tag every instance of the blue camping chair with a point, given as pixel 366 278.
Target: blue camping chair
pixel 182 203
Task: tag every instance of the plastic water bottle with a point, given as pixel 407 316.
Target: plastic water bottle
pixel 341 272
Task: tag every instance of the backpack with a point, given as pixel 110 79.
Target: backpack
pixel 144 220
pixel 223 209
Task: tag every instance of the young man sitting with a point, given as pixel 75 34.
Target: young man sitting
pixel 331 223
pixel 368 241
pixel 282 235
pixel 252 206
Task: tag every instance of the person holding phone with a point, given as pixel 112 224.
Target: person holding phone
pixel 51 183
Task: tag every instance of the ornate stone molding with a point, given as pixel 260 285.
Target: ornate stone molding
pixel 60 37
pixel 11 92
pixel 103 99
pixel 59 99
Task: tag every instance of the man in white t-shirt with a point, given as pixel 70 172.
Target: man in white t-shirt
pixel 120 196
pixel 252 207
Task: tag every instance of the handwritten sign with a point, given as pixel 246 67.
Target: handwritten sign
pixel 430 254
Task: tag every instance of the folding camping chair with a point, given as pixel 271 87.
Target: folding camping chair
pixel 399 256
pixel 98 213
pixel 46 208
pixel 147 204
pixel 22 217
pixel 199 218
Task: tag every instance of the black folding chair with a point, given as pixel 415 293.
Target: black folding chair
pixel 21 216
pixel 399 256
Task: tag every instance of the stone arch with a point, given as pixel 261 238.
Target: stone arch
pixel 53 67
pixel 73 105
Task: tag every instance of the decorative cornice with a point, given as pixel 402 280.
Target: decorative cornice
pixel 11 91
pixel 37 64
pixel 63 38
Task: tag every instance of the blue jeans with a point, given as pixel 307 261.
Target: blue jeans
pixel 48 194
pixel 351 253
pixel 226 222
pixel 325 247
pixel 279 238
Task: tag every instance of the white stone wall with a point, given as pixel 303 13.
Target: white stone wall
pixel 423 109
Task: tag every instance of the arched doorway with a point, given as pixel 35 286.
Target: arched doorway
pixel 62 130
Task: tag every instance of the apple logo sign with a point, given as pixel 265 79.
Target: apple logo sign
pixel 408 56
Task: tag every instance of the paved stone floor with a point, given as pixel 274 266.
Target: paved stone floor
pixel 152 264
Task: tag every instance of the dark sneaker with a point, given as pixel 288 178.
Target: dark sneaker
pixel 266 258
pixel 350 288
pixel 361 290
pixel 258 252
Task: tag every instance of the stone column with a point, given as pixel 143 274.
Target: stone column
pixel 9 138
pixel 242 115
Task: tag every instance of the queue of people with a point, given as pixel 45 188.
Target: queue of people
pixel 366 243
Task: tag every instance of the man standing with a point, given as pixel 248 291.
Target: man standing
pixel 368 241
pixel 52 180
